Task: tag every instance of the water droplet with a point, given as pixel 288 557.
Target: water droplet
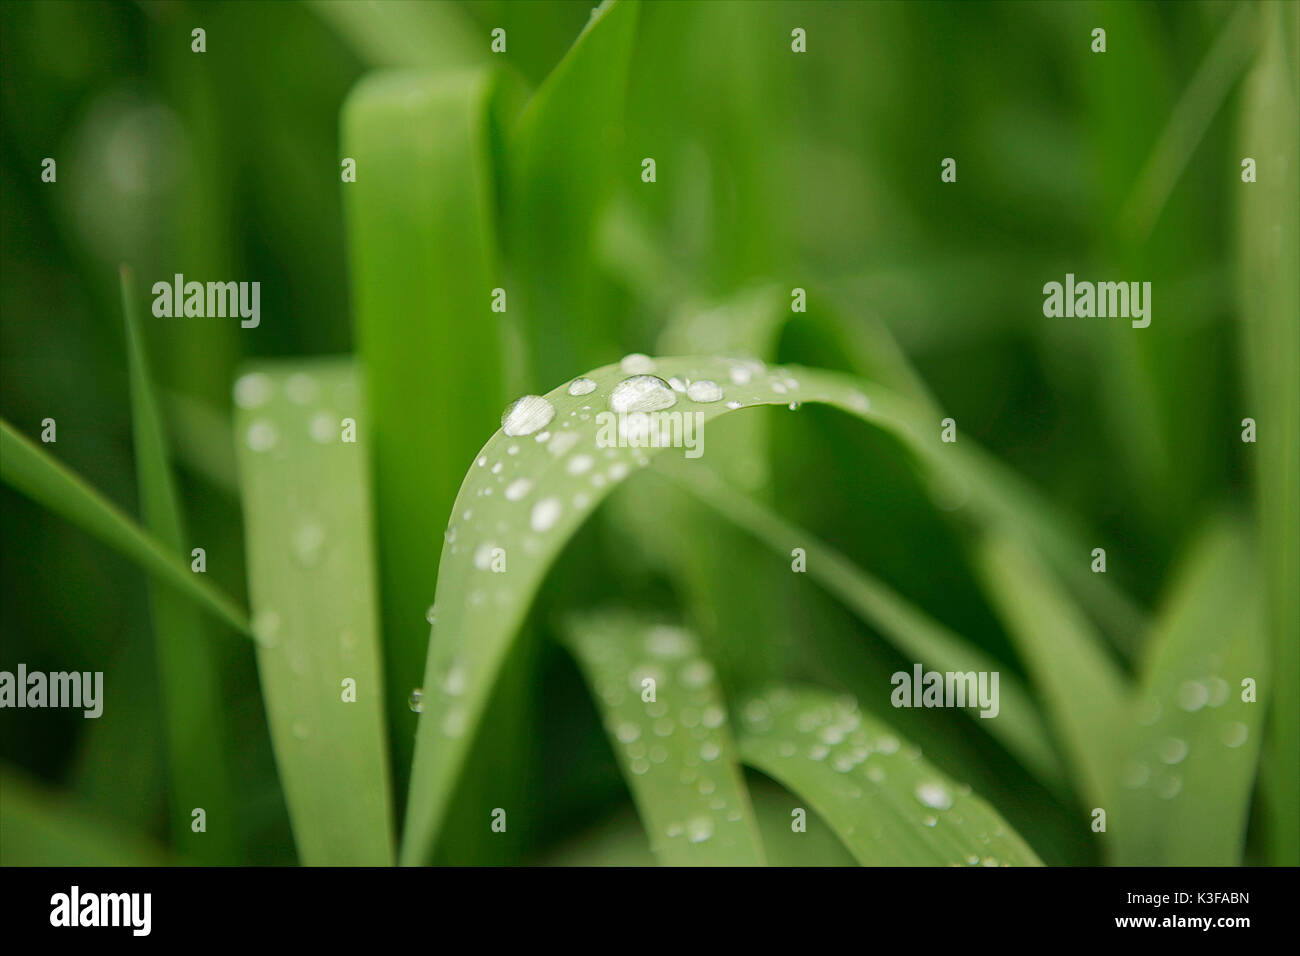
pixel 321 428
pixel 262 436
pixel 301 388
pixel 253 390
pixel 1169 787
pixel 1193 695
pixel 710 751
pixel 637 363
pixel 416 701
pixel 1136 774
pixel 308 542
pixel 934 795
pixel 526 415
pixel 1235 734
pixel 454 677
pixel 545 513
pixel 704 391
pixel 431 615
pixel 1218 691
pixel 697 673
pixel 1173 750
pixel 627 732
pixel 301 730
pixel 266 627
pixel 741 374
pixel 699 829
pixel 733 405
pixel 676 384
pixel 582 386
pixel 640 765
pixel 578 464
pixel 642 393
pixel 518 488
pixel 794 406
pixel 929 821
pixel 667 641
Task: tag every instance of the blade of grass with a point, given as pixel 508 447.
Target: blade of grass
pixel 310 580
pixel 479 611
pixel 1193 744
pixel 34 473
pixel 888 805
pixel 42 827
pixel 198 769
pixel 1081 688
pixel 1268 250
pixel 1018 725
pixel 428 340
pixel 398 33
pixel 675 751
pixel 563 153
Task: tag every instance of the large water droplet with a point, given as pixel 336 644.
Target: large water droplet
pixel 704 391
pixel 934 795
pixel 526 415
pixel 642 393
pixel 582 386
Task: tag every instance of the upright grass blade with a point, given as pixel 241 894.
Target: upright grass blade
pixel 400 33
pixel 671 736
pixel 302 442
pixel 1268 251
pixel 888 805
pixel 428 339
pixel 563 155
pixel 500 545
pixel 1018 725
pixel 1082 689
pixel 1193 744
pixel 187 669
pixel 40 827
pixel 34 473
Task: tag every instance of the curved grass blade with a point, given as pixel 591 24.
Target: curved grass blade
pixel 34 473
pixel 1083 691
pixel 1193 744
pixel 1018 725
pixel 40 827
pixel 675 750
pixel 520 502
pixel 888 805
pixel 310 581
pixel 1268 228
pixel 187 671
pixel 428 340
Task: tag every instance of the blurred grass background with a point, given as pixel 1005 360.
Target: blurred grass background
pixel 819 171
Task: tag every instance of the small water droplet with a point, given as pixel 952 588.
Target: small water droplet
pixel 416 701
pixel 431 615
pixel 1192 696
pixel 1235 734
pixel 526 415
pixel 308 543
pixel 545 513
pixel 301 388
pixel 1173 750
pixel 266 627
pixel 704 391
pixel 578 464
pixel 1170 787
pixel 253 390
pixel 741 375
pixel 699 829
pixel 627 732
pixel 262 436
pixel 582 386
pixel 733 405
pixel 794 406
pixel 322 428
pixel 518 488
pixel 640 765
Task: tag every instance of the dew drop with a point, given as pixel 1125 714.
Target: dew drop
pixel 1235 734
pixel 518 488
pixel 578 464
pixel 704 391
pixel 266 628
pixel 261 436
pixel 301 388
pixel 526 415
pixel 642 393
pixel 637 363
pixel 733 405
pixel 699 829
pixel 582 386
pixel 416 701
pixel 308 542
pixel 1192 696
pixel 253 390
pixel 934 795
pixel 545 513
pixel 627 732
pixel 1173 750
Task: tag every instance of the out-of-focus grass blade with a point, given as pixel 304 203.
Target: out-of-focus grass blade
pixel 28 469
pixel 1269 248
pixel 1082 690
pixel 40 827
pixel 563 154
pixel 187 669
pixel 888 805
pixel 400 33
pixel 1018 725
pixel 675 749
pixel 1193 746
pixel 310 580
pixel 422 246
pixel 519 504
